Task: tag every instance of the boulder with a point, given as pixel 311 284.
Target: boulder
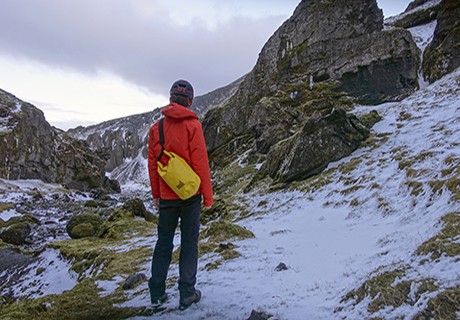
pixel 15 233
pixel 259 315
pixel 133 281
pixel 17 229
pixel 84 225
pixel 320 142
pixel 137 208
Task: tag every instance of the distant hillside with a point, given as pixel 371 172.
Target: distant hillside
pixel 124 140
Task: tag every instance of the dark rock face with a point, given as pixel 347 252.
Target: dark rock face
pixel 418 17
pixel 31 149
pixel 385 79
pixel 329 39
pixel 414 4
pixel 442 55
pixel 320 142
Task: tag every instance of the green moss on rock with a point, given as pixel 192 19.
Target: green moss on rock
pixel 15 233
pixel 83 230
pixel 370 119
pixel 85 219
pixel 91 204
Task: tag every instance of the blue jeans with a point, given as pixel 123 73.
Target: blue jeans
pixel 189 213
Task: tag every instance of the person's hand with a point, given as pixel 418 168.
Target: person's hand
pixel 208 207
pixel 156 203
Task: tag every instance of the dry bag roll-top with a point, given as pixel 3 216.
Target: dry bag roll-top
pixel 177 173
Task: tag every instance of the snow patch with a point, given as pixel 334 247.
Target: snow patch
pixel 51 274
pixel 8 214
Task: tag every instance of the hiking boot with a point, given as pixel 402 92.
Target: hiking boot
pixel 156 301
pixel 187 302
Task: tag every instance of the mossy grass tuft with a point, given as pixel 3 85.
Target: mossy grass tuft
pixel 220 231
pixel 99 259
pixel 387 290
pixel 382 291
pixel 82 302
pixel 445 306
pixel 446 242
pixel 6 206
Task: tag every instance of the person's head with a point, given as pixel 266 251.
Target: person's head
pixel 182 93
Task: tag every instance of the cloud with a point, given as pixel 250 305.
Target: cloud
pixel 143 42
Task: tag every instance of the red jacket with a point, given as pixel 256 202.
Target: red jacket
pixel 184 136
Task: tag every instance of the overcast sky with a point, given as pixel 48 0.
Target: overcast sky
pixel 87 61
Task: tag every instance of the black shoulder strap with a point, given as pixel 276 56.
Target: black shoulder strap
pixel 162 139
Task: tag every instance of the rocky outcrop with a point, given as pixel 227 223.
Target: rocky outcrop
pixel 442 55
pixel 414 4
pixel 327 51
pixel 343 41
pixel 31 149
pixel 417 13
pixel 288 107
pixel 120 139
pixel 320 142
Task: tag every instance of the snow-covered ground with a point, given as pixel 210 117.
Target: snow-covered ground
pixel 330 246
pixel 331 239
pixel 49 274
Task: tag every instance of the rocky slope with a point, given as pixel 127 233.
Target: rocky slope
pixel 315 62
pixel 328 55
pixel 31 149
pixel 442 55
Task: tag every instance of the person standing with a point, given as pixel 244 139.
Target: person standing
pixel 183 135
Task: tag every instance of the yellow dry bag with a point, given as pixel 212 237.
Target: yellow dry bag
pixel 179 176
pixel 177 173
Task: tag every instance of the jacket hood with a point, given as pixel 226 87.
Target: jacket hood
pixel 176 111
